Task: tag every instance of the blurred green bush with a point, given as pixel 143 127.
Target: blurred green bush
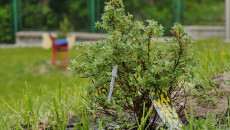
pixel 5 27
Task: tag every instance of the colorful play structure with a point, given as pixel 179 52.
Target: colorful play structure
pixel 60 48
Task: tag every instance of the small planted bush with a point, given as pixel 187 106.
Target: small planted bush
pixel 144 65
pixel 64 28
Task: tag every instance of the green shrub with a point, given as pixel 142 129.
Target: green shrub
pixel 65 28
pixel 143 65
pixel 5 33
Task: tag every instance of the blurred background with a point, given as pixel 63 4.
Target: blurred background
pixel 46 15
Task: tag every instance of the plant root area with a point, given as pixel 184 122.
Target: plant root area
pixel 205 101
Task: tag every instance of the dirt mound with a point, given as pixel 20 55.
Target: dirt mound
pixel 213 101
pixel 222 80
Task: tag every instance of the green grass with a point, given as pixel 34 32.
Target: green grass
pixel 31 65
pixel 33 91
pixel 214 56
pixel 214 59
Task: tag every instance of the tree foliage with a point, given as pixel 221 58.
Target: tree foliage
pixel 47 14
pixel 5 32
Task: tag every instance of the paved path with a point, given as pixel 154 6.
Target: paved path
pixel 4 45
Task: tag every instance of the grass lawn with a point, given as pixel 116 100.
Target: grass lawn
pixel 214 57
pixel 33 66
pixel 29 84
pixel 28 81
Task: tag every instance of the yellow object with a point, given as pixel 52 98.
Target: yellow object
pixel 46 41
pixel 71 41
pixel 223 53
pixel 165 110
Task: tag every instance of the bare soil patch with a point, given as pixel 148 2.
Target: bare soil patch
pixel 202 105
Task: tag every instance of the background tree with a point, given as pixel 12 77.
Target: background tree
pixel 47 14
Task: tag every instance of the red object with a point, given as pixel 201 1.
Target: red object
pixel 63 47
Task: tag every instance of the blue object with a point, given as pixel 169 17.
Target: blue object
pixel 61 42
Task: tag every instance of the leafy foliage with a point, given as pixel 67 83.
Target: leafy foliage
pixel 213 14
pixel 5 33
pixel 46 14
pixel 65 28
pixel 49 13
pixel 142 65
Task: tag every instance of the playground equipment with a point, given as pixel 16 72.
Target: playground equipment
pixel 178 10
pixel 60 48
pixel 94 13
